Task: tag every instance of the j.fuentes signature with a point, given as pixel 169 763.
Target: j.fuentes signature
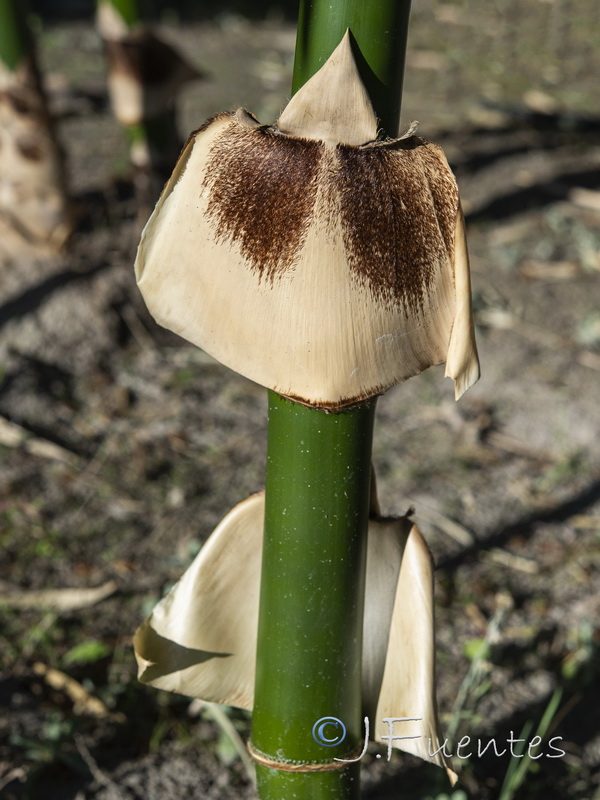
pixel 331 731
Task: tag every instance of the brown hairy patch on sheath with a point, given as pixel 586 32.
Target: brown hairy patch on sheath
pixel 263 188
pixel 398 205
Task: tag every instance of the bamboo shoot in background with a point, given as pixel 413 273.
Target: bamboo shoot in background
pixel 34 207
pixel 145 75
pixel 326 261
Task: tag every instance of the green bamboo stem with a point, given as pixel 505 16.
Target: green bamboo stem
pixel 317 497
pixel 312 593
pixel 15 41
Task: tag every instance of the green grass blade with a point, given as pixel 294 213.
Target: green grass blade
pixel 518 769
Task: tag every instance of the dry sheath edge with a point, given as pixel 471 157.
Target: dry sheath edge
pixel 311 256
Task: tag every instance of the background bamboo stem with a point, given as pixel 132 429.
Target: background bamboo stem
pixel 34 206
pixel 151 128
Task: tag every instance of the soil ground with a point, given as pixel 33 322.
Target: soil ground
pixel 122 446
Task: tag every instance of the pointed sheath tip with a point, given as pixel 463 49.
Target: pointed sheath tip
pixel 333 106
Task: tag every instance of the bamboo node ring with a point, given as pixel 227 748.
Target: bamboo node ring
pixel 300 766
